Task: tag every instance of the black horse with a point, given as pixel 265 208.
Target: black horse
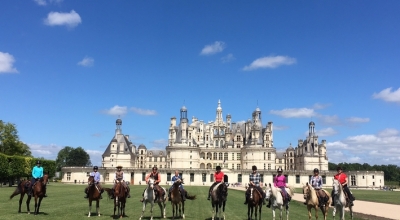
pixel 219 195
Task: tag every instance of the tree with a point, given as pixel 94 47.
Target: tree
pixel 9 141
pixel 69 156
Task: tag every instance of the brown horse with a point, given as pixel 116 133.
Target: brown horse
pixel 312 201
pixel 254 203
pixel 120 196
pixel 38 191
pixel 177 201
pixel 94 194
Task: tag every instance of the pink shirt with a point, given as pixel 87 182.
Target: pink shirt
pixel 280 181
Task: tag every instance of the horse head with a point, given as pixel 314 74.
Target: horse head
pixel 45 179
pixel 150 183
pixel 268 192
pixel 336 186
pixel 91 180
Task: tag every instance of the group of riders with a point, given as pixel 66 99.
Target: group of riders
pixel 254 181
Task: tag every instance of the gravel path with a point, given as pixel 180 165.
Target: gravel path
pixel 362 209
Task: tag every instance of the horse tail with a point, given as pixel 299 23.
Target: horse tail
pixel 190 197
pixel 16 191
pixel 109 191
pixel 291 190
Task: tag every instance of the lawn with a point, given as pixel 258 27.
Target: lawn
pixel 66 202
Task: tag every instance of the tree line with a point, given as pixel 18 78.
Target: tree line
pixel 392 172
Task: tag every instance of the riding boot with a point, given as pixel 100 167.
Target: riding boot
pixel 246 200
pixel 209 195
pixel 333 201
pixel 169 196
pixel 320 203
pixel 86 194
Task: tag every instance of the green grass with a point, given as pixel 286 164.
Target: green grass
pixel 66 202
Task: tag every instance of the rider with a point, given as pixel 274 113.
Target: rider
pixel 157 179
pixel 37 173
pixel 254 180
pixel 280 182
pixel 342 178
pixel 119 175
pixel 317 183
pixel 218 177
pixel 175 178
pixel 96 176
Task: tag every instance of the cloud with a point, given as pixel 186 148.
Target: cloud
pixel 320 106
pixel 228 58
pixel 6 63
pixel 387 95
pixel 44 2
pixel 280 128
pixel 49 152
pixel 330 119
pixel 357 120
pixel 270 62
pixel 116 111
pixel 95 156
pixel 159 144
pixel 380 148
pixel 87 61
pixel 140 111
pixel 217 47
pixel 294 113
pixel 325 132
pixel 71 19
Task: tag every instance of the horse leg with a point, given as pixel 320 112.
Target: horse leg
pixel 223 209
pixel 21 198
pixel 38 205
pixel 351 212
pixel 28 200
pixel 183 209
pixel 144 208
pixel 98 207
pixel 90 207
pixel 309 212
pixel 273 212
pixel 162 207
pixel 213 212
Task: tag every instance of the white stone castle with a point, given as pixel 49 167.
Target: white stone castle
pixel 197 148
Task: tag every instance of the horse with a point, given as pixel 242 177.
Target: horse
pixel 38 191
pixel 94 194
pixel 178 204
pixel 339 199
pixel 149 197
pixel 310 195
pixel 219 195
pixel 254 203
pixel 120 196
pixel 277 202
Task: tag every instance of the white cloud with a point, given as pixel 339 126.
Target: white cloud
pixel 87 61
pixel 6 63
pixel 49 152
pixel 337 145
pixel 270 62
pixel 294 113
pixel 330 119
pixel 388 132
pixel 95 156
pixel 116 111
pixel 387 95
pixel 228 58
pixel 279 128
pixel 325 132
pixel 70 19
pixel 41 2
pixel 320 106
pixel 159 144
pixel 143 111
pixel 357 120
pixel 217 47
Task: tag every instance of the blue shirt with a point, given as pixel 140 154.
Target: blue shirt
pixel 37 172
pixel 96 176
pixel 316 182
pixel 175 178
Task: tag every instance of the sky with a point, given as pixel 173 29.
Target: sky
pixel 69 69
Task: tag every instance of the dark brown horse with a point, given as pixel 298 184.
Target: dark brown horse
pixel 38 191
pixel 178 204
pixel 254 204
pixel 94 194
pixel 120 196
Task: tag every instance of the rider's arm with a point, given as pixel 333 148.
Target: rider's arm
pixel 345 181
pixel 159 178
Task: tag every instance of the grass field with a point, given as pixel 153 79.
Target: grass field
pixel 66 202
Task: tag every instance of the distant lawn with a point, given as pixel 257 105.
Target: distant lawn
pixel 66 202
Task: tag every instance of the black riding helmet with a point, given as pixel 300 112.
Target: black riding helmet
pixel 254 168
pixel 316 170
pixel 95 168
pixel 38 162
pixel 218 168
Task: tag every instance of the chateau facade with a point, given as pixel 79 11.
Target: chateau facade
pixel 197 147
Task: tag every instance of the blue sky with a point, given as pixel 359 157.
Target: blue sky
pixel 69 69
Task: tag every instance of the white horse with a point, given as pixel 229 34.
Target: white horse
pixel 149 197
pixel 340 200
pixel 277 202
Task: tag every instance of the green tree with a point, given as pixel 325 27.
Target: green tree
pixel 69 156
pixel 9 141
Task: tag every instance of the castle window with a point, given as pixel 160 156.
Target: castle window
pixel 68 176
pixel 238 156
pixel 155 159
pixel 238 166
pixel 297 179
pixel 264 158
pixel 269 155
pixel 233 156
pixel 150 159
pixel 238 138
pixel 220 156
pixel 207 138
pixel 233 166
pixel 225 156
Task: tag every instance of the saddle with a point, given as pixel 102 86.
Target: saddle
pixel 158 191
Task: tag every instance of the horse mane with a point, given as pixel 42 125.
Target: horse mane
pixel 278 197
pixel 219 194
pixel 312 195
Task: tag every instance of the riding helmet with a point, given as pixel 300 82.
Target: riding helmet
pixel 280 169
pixel 38 162
pixel 316 170
pixel 339 168
pixel 95 168
pixel 218 168
pixel 254 167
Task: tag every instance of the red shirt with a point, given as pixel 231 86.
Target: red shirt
pixel 218 177
pixel 341 177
